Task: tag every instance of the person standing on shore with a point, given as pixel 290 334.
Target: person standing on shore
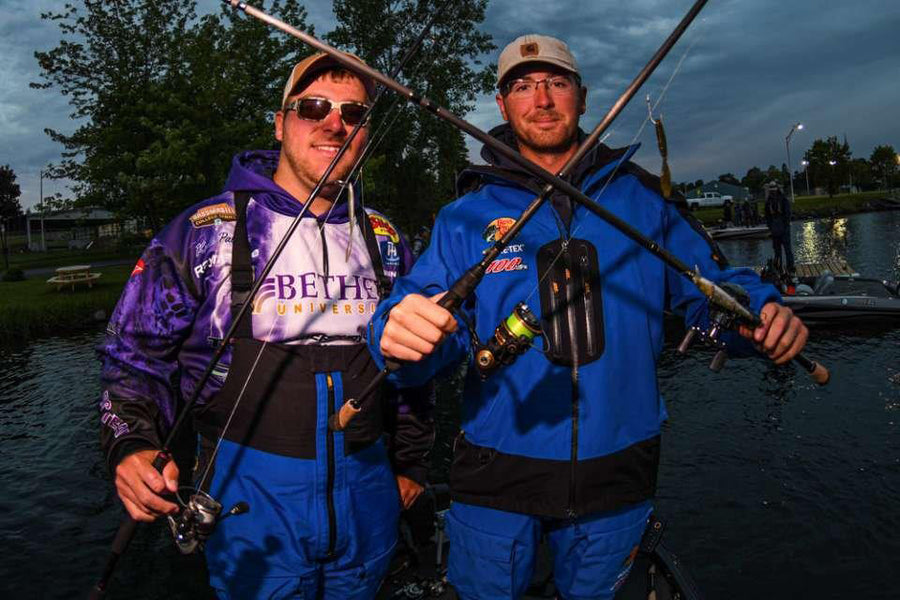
pixel 324 506
pixel 778 218
pixel 565 441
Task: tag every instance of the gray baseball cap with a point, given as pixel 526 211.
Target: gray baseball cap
pixel 535 48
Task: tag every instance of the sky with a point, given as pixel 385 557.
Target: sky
pixel 749 71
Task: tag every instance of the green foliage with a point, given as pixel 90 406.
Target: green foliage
pixel 729 178
pixel 754 180
pixel 9 194
pixel 884 161
pixel 165 99
pixel 413 170
pixel 828 160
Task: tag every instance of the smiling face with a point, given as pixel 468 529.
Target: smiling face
pixel 308 147
pixel 545 122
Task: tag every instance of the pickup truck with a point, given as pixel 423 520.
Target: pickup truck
pixel 708 199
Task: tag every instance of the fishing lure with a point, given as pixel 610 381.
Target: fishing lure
pixel 665 177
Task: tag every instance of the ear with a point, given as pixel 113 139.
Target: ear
pixel 502 106
pixel 583 108
pixel 279 125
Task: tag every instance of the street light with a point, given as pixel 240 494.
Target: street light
pixel 787 146
pixel 805 164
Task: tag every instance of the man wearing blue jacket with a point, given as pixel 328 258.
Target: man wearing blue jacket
pixel 565 441
pixel 323 505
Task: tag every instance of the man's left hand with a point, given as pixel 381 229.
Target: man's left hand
pixel 409 491
pixel 782 334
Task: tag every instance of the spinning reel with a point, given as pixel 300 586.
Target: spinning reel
pixel 719 321
pixel 512 338
pixel 198 519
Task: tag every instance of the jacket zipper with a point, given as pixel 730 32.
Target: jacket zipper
pixel 573 344
pixel 329 493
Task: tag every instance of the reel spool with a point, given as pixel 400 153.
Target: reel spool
pixel 512 338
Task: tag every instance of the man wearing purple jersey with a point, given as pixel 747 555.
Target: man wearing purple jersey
pixel 324 505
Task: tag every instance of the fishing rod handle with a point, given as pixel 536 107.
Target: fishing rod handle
pixel 816 370
pixel 124 535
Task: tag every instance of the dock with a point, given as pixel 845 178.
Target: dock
pixel 834 265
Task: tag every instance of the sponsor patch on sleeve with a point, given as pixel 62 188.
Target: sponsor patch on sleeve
pixel 382 227
pixel 216 213
pixel 138 268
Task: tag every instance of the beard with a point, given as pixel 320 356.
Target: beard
pixel 545 141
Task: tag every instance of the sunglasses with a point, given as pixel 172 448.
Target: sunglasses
pixel 316 109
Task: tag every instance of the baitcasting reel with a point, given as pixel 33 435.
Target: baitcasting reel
pixel 197 520
pixel 512 338
pixel 719 321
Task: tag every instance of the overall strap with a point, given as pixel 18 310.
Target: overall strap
pixel 241 266
pixel 382 281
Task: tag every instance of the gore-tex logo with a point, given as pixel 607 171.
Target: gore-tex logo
pixel 502 265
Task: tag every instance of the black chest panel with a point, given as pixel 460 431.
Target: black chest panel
pixel 271 399
pixel 571 302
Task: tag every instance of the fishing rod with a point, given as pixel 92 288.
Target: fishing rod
pixel 715 294
pixel 463 286
pixel 128 527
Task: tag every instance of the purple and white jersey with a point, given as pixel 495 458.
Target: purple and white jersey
pixel 176 307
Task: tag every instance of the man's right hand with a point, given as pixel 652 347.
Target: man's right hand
pixel 140 486
pixel 415 327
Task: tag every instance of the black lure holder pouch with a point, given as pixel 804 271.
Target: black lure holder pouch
pixel 571 301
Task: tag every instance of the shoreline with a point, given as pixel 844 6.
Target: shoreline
pixel 31 308
pixel 817 207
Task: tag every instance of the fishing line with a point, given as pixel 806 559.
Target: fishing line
pixel 621 161
pixel 259 354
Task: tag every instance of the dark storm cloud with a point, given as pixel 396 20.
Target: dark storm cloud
pixel 754 69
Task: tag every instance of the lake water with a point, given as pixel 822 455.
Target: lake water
pixel 772 487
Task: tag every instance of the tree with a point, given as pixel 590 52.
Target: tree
pixel 754 180
pixel 861 174
pixel 729 178
pixel 413 171
pixel 828 161
pixel 884 162
pixel 9 194
pixel 165 99
pixel 775 174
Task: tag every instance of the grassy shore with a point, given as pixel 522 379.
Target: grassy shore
pixel 63 258
pixel 808 207
pixel 32 307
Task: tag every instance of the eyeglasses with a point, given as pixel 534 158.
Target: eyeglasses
pixel 315 109
pixel 558 85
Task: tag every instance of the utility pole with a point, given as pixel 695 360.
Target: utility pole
pixel 787 146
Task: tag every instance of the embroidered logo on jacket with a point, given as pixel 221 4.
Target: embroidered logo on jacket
pixel 497 228
pixel 381 226
pixel 216 213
